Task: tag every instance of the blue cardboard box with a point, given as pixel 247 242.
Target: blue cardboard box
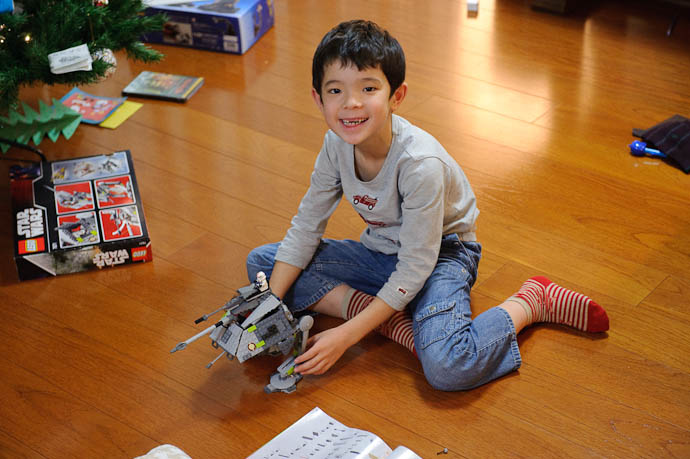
pixel 6 6
pixel 230 26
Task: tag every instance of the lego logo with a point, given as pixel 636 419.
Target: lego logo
pixel 138 253
pixel 32 245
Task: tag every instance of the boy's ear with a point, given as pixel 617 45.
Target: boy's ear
pixel 317 99
pixel 398 96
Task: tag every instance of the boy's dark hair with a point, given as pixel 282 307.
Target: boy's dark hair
pixel 364 44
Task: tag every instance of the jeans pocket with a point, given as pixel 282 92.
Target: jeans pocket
pixel 434 322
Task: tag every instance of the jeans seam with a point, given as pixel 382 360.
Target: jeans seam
pixel 320 293
pixel 475 267
pixel 514 348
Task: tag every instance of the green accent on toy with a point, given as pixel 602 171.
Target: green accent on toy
pixel 260 343
pixel 50 120
pixel 290 371
pixel 251 329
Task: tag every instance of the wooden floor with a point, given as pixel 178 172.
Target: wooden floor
pixel 537 108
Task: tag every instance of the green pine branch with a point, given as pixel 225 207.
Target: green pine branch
pixel 50 120
pixel 55 25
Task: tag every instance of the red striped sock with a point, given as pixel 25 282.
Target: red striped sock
pixel 398 327
pixel 546 301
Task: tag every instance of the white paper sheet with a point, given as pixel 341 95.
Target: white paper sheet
pixel 317 435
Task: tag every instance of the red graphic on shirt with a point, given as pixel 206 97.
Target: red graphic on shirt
pixel 366 200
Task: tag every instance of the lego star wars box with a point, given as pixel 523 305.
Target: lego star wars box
pixel 230 26
pixel 77 215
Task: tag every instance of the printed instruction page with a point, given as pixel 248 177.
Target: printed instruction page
pixel 318 436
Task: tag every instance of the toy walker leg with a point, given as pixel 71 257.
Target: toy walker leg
pixel 280 383
pixel 284 380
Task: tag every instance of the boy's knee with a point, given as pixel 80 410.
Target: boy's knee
pixel 451 372
pixel 260 259
pixel 255 257
pixel 451 382
pixel 454 384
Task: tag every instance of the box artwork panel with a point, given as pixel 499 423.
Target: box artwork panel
pixel 120 223
pixel 115 191
pixel 73 197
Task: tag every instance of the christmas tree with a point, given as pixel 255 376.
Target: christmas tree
pixel 37 28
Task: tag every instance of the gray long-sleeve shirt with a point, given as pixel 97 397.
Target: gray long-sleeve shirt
pixel 419 195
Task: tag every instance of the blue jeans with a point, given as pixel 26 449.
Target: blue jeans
pixel 456 352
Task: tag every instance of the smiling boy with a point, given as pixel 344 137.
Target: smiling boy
pixel 410 274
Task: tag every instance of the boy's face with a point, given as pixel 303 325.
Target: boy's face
pixel 356 104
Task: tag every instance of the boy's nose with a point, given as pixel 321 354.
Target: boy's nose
pixel 352 101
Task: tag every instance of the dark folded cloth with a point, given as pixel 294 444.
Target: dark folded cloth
pixel 671 137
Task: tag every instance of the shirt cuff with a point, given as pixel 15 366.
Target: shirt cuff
pixel 395 297
pixel 294 259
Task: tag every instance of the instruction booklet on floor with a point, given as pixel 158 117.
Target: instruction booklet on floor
pixel 317 435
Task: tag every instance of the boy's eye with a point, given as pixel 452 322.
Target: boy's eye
pixel 369 89
pixel 334 91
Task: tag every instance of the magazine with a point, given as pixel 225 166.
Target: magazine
pixel 167 86
pixel 317 435
pixel 93 109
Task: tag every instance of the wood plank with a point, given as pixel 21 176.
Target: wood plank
pixel 54 422
pixel 124 389
pixel 527 138
pixel 624 347
pixel 518 403
pixel 11 447
pixel 672 294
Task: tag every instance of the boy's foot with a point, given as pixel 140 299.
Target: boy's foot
pixel 398 327
pixel 546 301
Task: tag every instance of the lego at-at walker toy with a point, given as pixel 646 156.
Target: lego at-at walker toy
pixel 257 322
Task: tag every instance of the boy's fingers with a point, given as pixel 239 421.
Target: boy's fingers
pixel 306 367
pixel 307 360
pixel 304 357
pixel 309 353
pixel 311 362
pixel 310 368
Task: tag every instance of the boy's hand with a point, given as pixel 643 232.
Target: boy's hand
pixel 324 349
pixel 327 347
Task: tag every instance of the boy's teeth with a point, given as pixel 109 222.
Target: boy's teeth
pixel 353 122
